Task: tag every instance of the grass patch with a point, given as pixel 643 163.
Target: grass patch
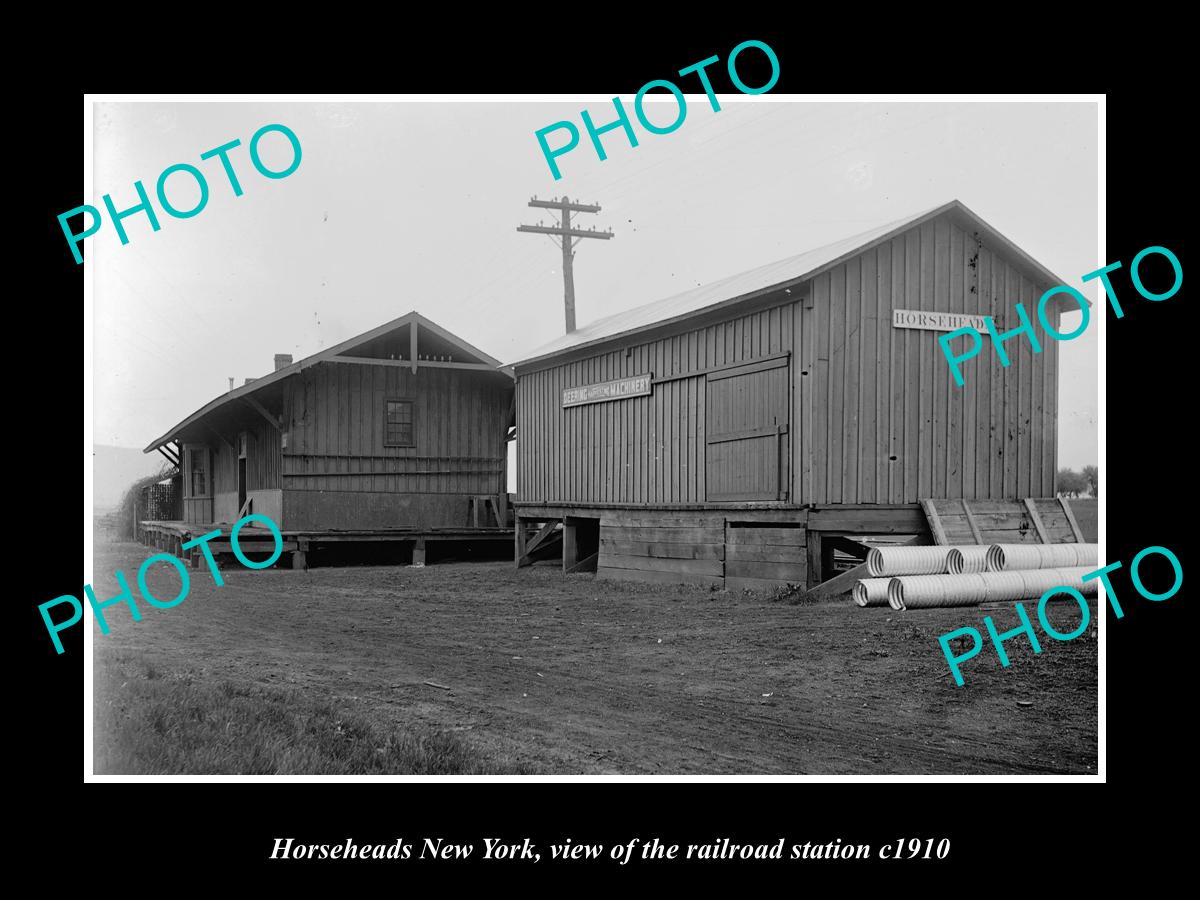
pixel 791 594
pixel 148 722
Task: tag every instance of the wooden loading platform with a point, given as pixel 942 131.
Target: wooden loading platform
pixel 819 549
pixel 170 536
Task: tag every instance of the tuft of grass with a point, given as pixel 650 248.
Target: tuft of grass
pixel 146 724
pixel 792 594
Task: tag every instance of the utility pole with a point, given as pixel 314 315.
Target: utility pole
pixel 568 237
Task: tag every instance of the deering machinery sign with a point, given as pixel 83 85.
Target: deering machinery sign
pixel 637 386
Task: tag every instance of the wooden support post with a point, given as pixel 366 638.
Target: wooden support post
pixel 815 557
pixel 299 559
pixel 518 541
pixel 418 559
pixel 1037 521
pixel 935 523
pixel 971 522
pixel 570 551
pixel 502 509
pixel 1075 529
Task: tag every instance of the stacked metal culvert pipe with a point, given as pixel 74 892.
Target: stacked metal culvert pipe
pixel 967 560
pixel 871 592
pixel 924 591
pixel 890 561
pixel 968 575
pixel 1009 557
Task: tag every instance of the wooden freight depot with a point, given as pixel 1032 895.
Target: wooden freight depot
pixel 789 412
pixel 398 434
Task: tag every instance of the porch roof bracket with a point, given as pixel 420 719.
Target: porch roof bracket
pixel 262 411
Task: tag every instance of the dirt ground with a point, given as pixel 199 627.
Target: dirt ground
pixel 575 675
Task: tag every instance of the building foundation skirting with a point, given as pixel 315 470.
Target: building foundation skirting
pixel 733 548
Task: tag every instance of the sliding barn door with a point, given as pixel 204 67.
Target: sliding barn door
pixel 747 432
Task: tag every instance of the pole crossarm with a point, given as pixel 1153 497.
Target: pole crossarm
pixel 573 232
pixel 559 204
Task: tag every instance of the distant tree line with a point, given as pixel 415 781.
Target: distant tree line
pixel 1076 484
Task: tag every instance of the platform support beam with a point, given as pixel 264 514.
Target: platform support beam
pixel 570 551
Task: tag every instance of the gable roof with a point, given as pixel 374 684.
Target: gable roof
pixel 295 368
pixel 764 279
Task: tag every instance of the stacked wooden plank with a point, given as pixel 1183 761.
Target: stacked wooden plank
pixel 760 557
pixel 662 547
pixel 1037 521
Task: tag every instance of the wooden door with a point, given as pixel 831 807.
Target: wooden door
pixel 747 439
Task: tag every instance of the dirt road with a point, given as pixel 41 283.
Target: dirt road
pixel 575 675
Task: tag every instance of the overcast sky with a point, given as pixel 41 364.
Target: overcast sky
pixel 413 206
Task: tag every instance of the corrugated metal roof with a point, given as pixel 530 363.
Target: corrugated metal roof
pixel 745 285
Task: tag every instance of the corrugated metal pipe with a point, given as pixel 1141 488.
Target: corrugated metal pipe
pixel 1008 557
pixel 967 560
pixel 889 561
pixel 925 591
pixel 921 591
pixel 871 592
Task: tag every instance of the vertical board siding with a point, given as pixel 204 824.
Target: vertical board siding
pixel 263 459
pixel 336 420
pixel 640 450
pixel 878 392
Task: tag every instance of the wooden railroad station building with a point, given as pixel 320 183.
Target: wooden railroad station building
pixel 741 433
pixel 398 434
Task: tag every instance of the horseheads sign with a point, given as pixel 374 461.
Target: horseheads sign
pixel 936 321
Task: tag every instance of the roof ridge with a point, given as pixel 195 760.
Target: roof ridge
pixel 853 242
